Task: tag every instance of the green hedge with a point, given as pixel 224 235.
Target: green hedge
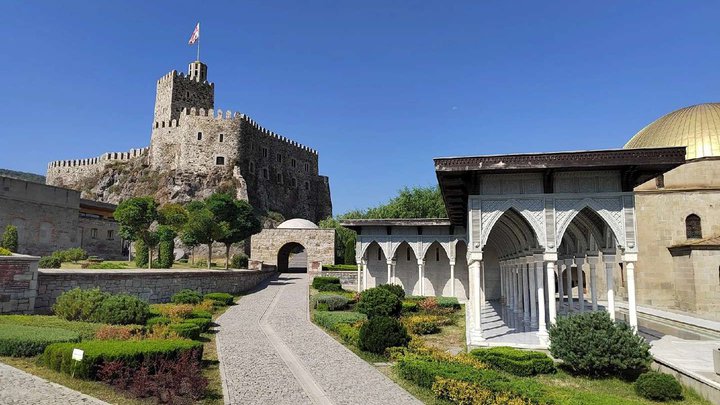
pixel 97 352
pixel 658 387
pixel 220 299
pixel 187 330
pixel 23 341
pixel 86 330
pixel 199 313
pixel 339 267
pixel 423 372
pixel 348 333
pixel 448 302
pixel 158 320
pixel 186 296
pixel 319 282
pixel 202 323
pixel 518 362
pixel 331 320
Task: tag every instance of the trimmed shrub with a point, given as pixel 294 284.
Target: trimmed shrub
pixel 49 262
pixel 332 302
pixel 166 247
pixel 220 299
pixel 518 362
pixel 340 267
pixel 658 387
pixel 463 392
pixel 239 261
pixel 202 323
pixel 592 344
pixel 78 304
pixel 122 309
pixel 331 320
pixel 10 238
pixel 199 313
pixel 321 281
pixel 396 289
pixel 350 334
pixel 6 252
pixel 186 330
pixel 24 341
pixel 119 332
pixel 409 306
pixel 70 255
pixel 379 302
pixel 98 352
pixel 157 320
pixel 186 297
pixel 428 304
pixel 448 302
pixel 141 253
pixel 173 311
pixel 382 332
pixel 330 287
pixel 422 324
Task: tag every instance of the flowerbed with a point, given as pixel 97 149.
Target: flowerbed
pixel 23 341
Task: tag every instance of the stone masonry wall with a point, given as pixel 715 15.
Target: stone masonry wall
pixel 75 173
pixel 319 244
pixel 18 284
pixel 152 285
pixel 104 241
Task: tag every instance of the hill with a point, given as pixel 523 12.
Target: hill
pixel 31 177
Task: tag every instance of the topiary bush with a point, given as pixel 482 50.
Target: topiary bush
pixel 49 262
pixel 422 324
pixel 24 341
pixel 658 387
pixel 350 334
pixel 592 344
pixel 122 309
pixel 521 363
pixel 78 304
pixel 141 253
pixel 166 247
pixel 409 306
pixel 378 302
pixel 239 261
pixel 199 313
pixel 202 323
pixel 186 296
pixel 321 281
pixel 186 330
pixel 382 332
pixel 10 238
pixel 333 302
pixel 396 289
pixel 331 320
pixel 220 299
pixel 157 320
pixel 330 287
pixel 448 302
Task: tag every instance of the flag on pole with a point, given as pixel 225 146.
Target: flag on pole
pixel 195 35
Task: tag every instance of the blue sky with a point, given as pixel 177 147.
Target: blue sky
pixel 379 88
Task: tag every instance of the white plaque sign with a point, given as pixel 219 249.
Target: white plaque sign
pixel 77 354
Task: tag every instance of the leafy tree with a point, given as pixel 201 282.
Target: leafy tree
pixel 173 215
pixel 237 216
pixel 135 216
pixel 166 246
pixel 10 238
pixel 415 202
pixel 202 228
pixel 344 241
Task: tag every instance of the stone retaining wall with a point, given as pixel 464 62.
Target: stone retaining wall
pixel 347 278
pixel 152 285
pixel 18 284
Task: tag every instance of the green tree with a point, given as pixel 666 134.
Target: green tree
pixel 344 241
pixel 135 216
pixel 202 228
pixel 173 215
pixel 411 202
pixel 166 246
pixel 10 238
pixel 236 216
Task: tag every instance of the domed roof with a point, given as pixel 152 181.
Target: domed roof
pixel 297 223
pixel 696 127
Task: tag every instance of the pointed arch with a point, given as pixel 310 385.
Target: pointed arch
pixel 532 211
pixel 610 210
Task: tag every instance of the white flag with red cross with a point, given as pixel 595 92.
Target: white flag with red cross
pixel 195 35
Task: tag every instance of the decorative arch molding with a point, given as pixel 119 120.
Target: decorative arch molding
pixel 532 210
pixel 419 244
pixel 609 209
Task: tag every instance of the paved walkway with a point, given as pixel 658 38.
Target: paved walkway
pixel 20 388
pixel 270 352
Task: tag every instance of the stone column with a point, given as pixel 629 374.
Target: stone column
pixel 542 325
pixel 525 289
pixel 394 271
pixel 581 282
pixel 609 260
pixel 533 292
pixel 474 265
pixel 592 260
pixel 452 278
pixel 502 284
pixel 568 273
pixel 630 259
pixel 560 285
pixel 365 274
pixel 389 269
pixel 517 298
pixel 359 274
pixel 549 259
pixel 421 275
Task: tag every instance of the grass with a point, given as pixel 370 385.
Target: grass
pixel 85 329
pixel 451 337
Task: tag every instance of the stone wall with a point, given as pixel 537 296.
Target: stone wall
pixel 46 217
pixel 152 285
pixel 100 237
pixel 319 244
pixel 77 173
pixel 347 278
pixel 176 91
pixel 18 284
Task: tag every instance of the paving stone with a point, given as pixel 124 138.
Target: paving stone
pixel 20 388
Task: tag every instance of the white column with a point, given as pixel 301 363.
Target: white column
pixel 630 271
pixel 542 325
pixel 609 261
pixel 502 284
pixel 550 263
pixel 533 292
pixel 560 284
pixel 359 275
pixel 389 268
pixel 474 268
pixel 581 281
pixel 568 273
pixel 517 298
pixel 592 262
pixel 452 278
pixel 365 274
pixel 421 275
pixel 525 289
pixel 394 271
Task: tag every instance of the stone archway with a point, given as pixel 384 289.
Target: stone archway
pixel 292 258
pixel 275 247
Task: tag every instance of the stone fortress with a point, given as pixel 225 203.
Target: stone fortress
pixel 195 149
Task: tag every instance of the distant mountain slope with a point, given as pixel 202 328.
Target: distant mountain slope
pixel 32 177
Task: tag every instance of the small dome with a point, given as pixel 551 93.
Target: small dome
pixel 297 223
pixel 696 127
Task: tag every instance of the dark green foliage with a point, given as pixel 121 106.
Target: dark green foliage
pixel 239 261
pixel 415 202
pixel 514 361
pixel 135 216
pixel 202 228
pixel 321 281
pixel 396 289
pixel 658 387
pixel 70 255
pixel 186 296
pixel 186 330
pixel 237 215
pixel 98 352
pixel 423 372
pixel 330 287
pixel 349 252
pixel 199 313
pixel 349 333
pixel 141 253
pixel 166 247
pixel 592 344
pixel 78 304
pixel 49 262
pixel 331 320
pixel 202 323
pixel 5 252
pixel 220 299
pixel 333 302
pixel 24 341
pixel 122 309
pixel 409 306
pixel 379 302
pixel 448 302
pixel 10 238
pixel 339 267
pixel 344 241
pixel 157 320
pixel 382 332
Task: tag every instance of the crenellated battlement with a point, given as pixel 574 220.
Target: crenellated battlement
pixel 169 77
pixel 104 158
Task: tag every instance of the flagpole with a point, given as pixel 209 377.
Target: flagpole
pixel 198 51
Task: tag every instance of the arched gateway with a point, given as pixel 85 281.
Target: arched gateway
pixel 295 245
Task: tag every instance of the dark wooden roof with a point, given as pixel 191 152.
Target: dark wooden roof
pixel 456 174
pixel 356 224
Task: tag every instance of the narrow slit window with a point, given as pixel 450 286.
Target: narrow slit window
pixel 199 136
pixel 222 137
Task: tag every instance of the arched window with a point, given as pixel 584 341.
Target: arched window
pixel 693 229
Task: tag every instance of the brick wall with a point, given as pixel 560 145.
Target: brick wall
pixel 18 284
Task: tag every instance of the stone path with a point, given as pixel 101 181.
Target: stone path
pixel 20 388
pixel 270 352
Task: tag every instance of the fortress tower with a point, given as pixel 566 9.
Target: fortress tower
pixel 177 91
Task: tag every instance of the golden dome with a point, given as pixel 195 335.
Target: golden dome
pixel 696 127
